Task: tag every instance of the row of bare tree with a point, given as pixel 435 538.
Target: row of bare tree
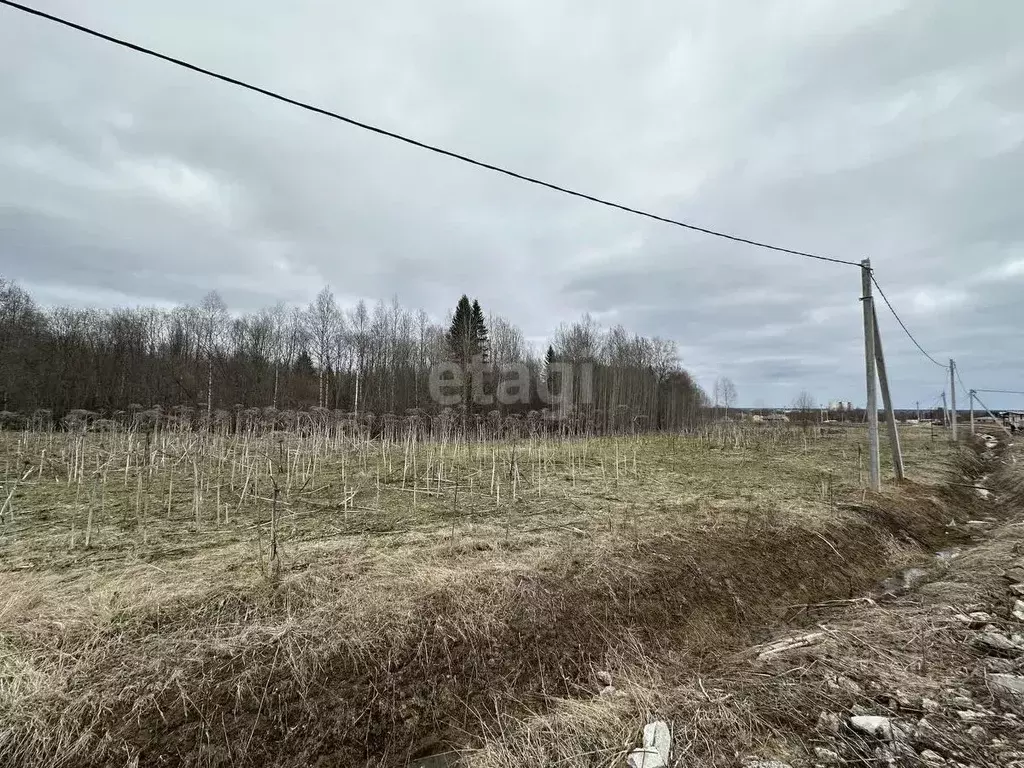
pixel 356 360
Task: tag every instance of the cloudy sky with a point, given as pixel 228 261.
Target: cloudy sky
pixel 888 129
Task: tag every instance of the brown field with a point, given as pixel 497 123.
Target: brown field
pixel 225 600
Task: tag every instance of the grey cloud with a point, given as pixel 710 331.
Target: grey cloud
pixel 889 129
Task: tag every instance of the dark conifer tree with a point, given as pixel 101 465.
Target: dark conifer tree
pixel 480 341
pixel 462 335
pixel 549 361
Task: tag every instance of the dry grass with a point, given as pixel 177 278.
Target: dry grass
pixel 422 594
pixel 905 657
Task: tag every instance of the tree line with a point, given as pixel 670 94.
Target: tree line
pixel 358 360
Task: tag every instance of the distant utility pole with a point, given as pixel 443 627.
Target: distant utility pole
pixel 945 410
pixel 869 365
pixel 952 398
pixel 918 404
pixel 970 396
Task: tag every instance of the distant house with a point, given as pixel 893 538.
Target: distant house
pixel 1012 419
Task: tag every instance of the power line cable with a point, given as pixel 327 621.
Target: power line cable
pixel 891 309
pixel 407 140
pixel 472 161
pixel 956 369
pixel 964 387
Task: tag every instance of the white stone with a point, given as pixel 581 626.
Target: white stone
pixel 656 747
pixel 905 700
pixel 1018 610
pixel 645 757
pixel 973 620
pixel 977 733
pixel 996 641
pixel 932 757
pixel 882 728
pixel 969 715
pixel 658 736
pixel 1013 684
pixel 604 677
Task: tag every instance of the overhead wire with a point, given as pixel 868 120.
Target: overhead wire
pixel 967 390
pixel 408 140
pixel 956 369
pixel 471 161
pixel 900 321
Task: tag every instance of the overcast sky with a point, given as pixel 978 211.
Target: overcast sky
pixel 883 129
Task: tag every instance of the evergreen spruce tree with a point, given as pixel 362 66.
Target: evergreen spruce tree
pixel 549 375
pixel 549 362
pixel 480 340
pixel 461 335
pixel 467 339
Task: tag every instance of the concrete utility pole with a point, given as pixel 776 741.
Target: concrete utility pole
pixel 970 396
pixel 869 366
pixel 952 397
pixel 890 412
pixel 918 404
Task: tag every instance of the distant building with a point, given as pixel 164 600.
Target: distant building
pixel 1012 419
